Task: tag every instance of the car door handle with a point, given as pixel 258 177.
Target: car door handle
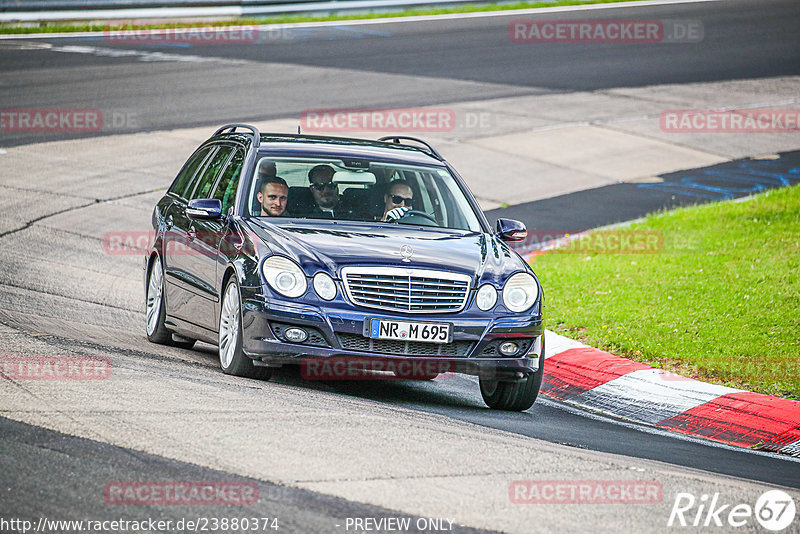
pixel 191 234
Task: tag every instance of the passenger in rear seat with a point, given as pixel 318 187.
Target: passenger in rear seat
pixel 325 193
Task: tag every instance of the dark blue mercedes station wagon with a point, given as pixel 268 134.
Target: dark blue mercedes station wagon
pixel 283 249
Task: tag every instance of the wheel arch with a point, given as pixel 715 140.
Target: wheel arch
pixel 231 270
pixel 150 260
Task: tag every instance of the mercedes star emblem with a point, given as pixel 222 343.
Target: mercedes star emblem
pixel 406 251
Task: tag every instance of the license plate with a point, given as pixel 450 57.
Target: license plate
pixel 410 331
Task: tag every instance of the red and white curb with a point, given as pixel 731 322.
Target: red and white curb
pixel 590 378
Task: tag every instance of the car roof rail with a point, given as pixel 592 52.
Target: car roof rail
pixel 231 128
pixel 397 138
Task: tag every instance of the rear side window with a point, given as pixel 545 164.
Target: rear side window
pixel 209 177
pixel 225 191
pixel 184 178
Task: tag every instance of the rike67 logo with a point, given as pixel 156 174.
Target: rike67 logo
pixel 774 510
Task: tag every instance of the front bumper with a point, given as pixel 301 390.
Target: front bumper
pixel 337 332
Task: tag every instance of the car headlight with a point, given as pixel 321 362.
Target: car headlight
pixel 324 286
pixel 486 297
pixel 284 276
pixel 520 292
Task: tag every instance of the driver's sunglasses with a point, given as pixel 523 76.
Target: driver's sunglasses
pixel 324 185
pixel 397 199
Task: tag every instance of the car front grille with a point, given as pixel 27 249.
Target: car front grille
pixel 360 343
pixel 406 290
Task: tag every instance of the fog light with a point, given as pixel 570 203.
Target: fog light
pixel 295 335
pixel 508 348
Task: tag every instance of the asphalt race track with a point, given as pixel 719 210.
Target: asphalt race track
pixel 389 65
pixel 587 209
pixel 40 453
pixel 175 404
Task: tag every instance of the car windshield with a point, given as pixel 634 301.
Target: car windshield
pixel 359 190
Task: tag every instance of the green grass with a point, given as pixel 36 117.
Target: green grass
pixel 60 27
pixel 719 302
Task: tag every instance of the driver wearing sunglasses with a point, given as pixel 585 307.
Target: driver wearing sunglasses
pixel 400 195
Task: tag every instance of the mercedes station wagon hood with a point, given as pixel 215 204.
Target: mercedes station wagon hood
pixel 335 245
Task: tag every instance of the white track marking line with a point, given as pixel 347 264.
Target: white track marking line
pixel 141 55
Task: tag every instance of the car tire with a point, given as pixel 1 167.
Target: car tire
pixel 232 359
pixel 155 311
pixel 513 396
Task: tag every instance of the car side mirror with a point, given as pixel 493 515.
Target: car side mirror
pixel 204 209
pixel 511 230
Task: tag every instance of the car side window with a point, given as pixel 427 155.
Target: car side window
pixel 209 177
pixel 188 171
pixel 225 191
